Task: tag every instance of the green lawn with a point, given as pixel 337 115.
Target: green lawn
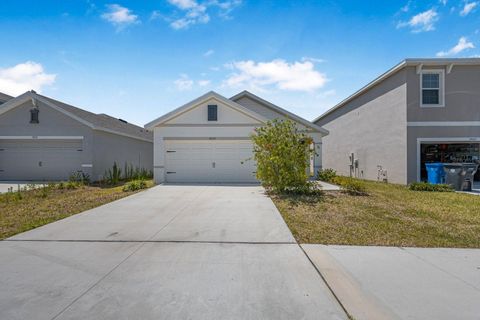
pixel 30 209
pixel 389 215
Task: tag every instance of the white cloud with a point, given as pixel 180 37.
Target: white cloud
pixel 183 83
pixel 468 7
pixel 296 76
pixel 24 77
pixel 444 2
pixel 194 12
pixel 119 16
pixel 208 53
pixel 463 44
pixel 203 83
pixel 424 21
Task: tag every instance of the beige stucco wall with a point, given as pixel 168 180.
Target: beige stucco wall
pixel 193 124
pixel 199 115
pixel 373 127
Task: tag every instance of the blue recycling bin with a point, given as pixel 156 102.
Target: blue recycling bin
pixel 435 173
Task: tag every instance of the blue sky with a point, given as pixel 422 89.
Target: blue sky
pixel 137 60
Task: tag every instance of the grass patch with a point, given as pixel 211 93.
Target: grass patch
pixel 387 215
pixel 29 209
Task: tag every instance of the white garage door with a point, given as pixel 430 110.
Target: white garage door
pixel 222 161
pixel 39 159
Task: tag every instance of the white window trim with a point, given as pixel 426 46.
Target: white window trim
pixel 441 72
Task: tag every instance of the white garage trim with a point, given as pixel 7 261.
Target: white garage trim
pixel 209 161
pixel 439 140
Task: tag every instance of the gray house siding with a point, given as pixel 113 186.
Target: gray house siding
pixel 59 145
pixel 259 108
pixel 417 135
pixel 109 148
pixel 462 104
pixel 373 127
pixel 462 96
pixel 26 146
pixel 269 113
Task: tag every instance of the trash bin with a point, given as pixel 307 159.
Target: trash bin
pixel 471 169
pixel 435 172
pixel 455 175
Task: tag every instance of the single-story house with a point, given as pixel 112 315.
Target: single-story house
pixel 419 111
pixel 43 139
pixel 208 140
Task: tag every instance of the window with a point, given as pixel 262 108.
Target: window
pixel 212 112
pixel 34 115
pixel 432 88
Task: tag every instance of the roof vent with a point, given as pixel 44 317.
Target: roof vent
pixel 121 120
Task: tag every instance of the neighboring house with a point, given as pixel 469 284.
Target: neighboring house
pixel 4 97
pixel 421 110
pixel 44 139
pixel 208 139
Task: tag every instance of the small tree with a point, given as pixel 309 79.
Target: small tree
pixel 282 154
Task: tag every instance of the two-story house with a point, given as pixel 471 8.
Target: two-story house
pixel 420 111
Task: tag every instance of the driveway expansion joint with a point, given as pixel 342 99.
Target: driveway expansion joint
pixel 153 241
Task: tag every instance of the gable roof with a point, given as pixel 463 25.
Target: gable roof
pixel 101 122
pixel 4 97
pixel 192 104
pixel 280 110
pixel 407 62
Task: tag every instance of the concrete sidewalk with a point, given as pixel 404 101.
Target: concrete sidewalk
pixel 402 283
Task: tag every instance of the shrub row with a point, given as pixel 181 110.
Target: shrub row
pixel 425 186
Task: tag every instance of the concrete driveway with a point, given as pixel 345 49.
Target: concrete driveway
pixel 171 252
pixel 6 186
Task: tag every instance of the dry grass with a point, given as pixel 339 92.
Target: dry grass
pixel 34 208
pixel 390 215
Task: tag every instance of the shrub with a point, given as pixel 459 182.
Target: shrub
pixel 351 185
pixel 282 154
pixel 132 173
pixel 326 175
pixel 134 185
pixel 425 186
pixel 309 189
pixel 70 185
pixel 112 176
pixel 80 177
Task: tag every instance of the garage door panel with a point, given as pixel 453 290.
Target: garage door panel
pixel 209 161
pixel 39 159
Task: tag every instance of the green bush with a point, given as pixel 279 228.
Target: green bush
pixel 134 185
pixel 326 175
pixel 425 186
pixel 351 185
pixel 80 177
pixel 112 176
pixel 133 173
pixel 70 185
pixel 282 154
